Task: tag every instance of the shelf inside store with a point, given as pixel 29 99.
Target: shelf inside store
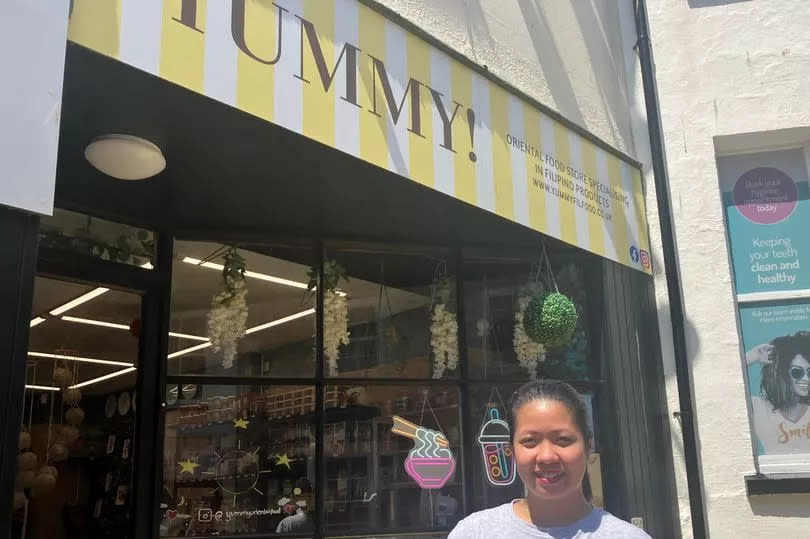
pixel 333 415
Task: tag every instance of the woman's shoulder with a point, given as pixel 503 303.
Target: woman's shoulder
pixel 760 404
pixel 477 523
pixel 612 526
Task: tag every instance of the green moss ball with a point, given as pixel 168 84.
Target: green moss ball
pixel 550 319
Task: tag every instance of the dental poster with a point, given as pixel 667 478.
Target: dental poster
pixel 767 204
pixel 776 338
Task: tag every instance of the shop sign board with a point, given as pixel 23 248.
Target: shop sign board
pixel 765 196
pixel 31 34
pixel 341 73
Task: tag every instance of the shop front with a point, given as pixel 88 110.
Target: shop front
pixel 310 322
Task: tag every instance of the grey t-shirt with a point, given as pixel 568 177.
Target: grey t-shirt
pixel 503 523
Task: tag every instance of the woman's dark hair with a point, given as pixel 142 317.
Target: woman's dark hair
pixel 558 391
pixel 776 384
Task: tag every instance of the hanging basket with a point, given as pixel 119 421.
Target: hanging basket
pixel 550 319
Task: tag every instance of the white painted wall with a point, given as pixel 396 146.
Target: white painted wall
pixel 725 67
pixel 567 55
pixel 32 56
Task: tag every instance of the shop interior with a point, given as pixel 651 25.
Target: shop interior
pixel 273 437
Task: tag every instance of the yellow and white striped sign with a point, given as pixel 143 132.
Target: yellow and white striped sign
pixel 340 73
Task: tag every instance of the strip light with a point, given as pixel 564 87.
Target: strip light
pixel 94 322
pixel 248 331
pixel 42 388
pixel 253 274
pixel 36 321
pixel 80 359
pixel 122 326
pixel 189 350
pixel 280 321
pixel 102 378
pixel 96 292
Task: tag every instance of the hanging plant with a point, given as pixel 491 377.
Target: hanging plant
pixel 229 311
pixel 529 353
pixel 335 312
pixel 443 324
pixel 550 319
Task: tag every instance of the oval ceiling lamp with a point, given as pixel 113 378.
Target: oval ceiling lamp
pixel 125 157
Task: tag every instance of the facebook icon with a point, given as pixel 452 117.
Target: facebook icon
pixel 634 254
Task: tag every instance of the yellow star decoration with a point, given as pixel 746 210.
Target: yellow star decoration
pixel 188 466
pixel 240 423
pixel 283 459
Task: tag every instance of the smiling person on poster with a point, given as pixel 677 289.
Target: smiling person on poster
pixel 782 410
pixel 551 442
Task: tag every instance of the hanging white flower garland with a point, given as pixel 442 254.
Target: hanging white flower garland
pixel 528 352
pixel 335 327
pixel 335 312
pixel 228 316
pixel 443 340
pixel 443 323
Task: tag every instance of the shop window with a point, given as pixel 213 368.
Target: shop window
pixel 76 461
pixel 493 290
pixel 80 234
pixel 392 458
pixel 263 326
pixel 390 314
pixel 238 460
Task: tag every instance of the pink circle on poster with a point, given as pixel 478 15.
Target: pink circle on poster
pixel 765 195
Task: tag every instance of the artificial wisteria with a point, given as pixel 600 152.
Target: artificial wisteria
pixel 528 352
pixel 229 310
pixel 443 340
pixel 335 327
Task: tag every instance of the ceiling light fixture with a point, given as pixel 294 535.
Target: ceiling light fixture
pixel 41 388
pixel 125 157
pixel 96 292
pixel 36 321
pixel 280 321
pixel 101 323
pixel 253 274
pixel 90 322
pixel 80 359
pixel 248 331
pixel 189 350
pixel 187 336
pixel 102 378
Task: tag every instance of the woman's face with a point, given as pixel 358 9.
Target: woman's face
pixel 550 451
pixel 800 375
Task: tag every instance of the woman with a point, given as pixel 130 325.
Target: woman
pixel 782 410
pixel 551 442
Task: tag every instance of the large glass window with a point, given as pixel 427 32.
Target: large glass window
pixel 238 460
pixel 390 314
pixel 80 234
pixel 494 287
pixel 392 457
pixel 262 326
pixel 240 457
